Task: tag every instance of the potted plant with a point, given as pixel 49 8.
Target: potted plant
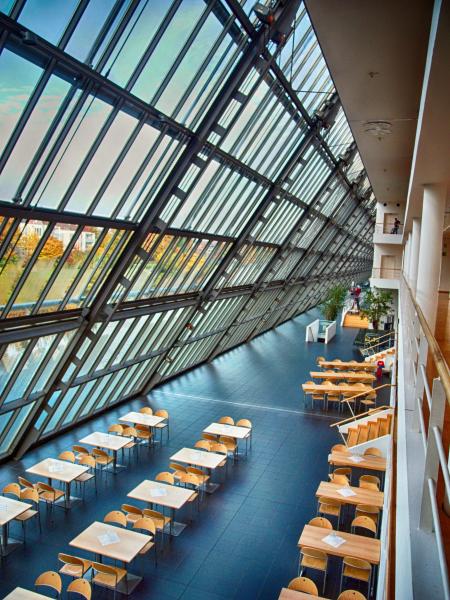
pixel 377 304
pixel 334 302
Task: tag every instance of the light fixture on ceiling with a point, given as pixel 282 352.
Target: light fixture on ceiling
pixel 378 129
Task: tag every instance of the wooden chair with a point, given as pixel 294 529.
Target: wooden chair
pixel 82 587
pixel 366 510
pixel 116 428
pixel 83 478
pixel 107 576
pixel 355 568
pixel 12 489
pixel 368 401
pixel 73 565
pixel 191 481
pixel 117 517
pixel 321 522
pixel 369 482
pixel 373 452
pixel 129 432
pixel 102 459
pixel 339 479
pixel 306 393
pixel 339 448
pixel 164 424
pixel 345 471
pixel 51 580
pixel 146 410
pixel 80 451
pixel 330 507
pixel 364 523
pixel 351 595
pixel 132 513
pixel 310 558
pixel 320 359
pixel 166 477
pixel 203 445
pixel 67 455
pixel 220 448
pixel 334 397
pixel 24 483
pixel 248 424
pixel 177 470
pixel 143 435
pixel 230 444
pixel 226 420
pixel 49 494
pixel 147 525
pixel 210 437
pixel 202 477
pixel 303 584
pixel 29 495
pixel 318 397
pixel 159 518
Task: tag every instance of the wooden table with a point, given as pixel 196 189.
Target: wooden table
pixel 9 510
pixel 23 594
pixel 107 442
pixel 287 594
pixel 164 494
pixel 138 418
pixel 125 545
pixel 340 389
pixel 357 546
pixel 362 495
pixel 364 377
pixel 61 470
pixel 238 433
pixel 332 364
pixel 369 463
pixel 202 459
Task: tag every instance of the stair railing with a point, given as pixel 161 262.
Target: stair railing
pixel 365 350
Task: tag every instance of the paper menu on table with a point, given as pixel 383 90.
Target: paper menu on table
pixel 333 540
pixel 55 467
pixel 356 459
pixel 158 492
pixel 346 492
pixel 108 538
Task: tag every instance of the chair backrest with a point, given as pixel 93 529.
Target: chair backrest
pixel 166 477
pixel 24 482
pixel 115 428
pixel 190 479
pixel 367 510
pixel 145 524
pixel 117 517
pixel 153 514
pixel 129 508
pixel 195 471
pixel 106 570
pixel 321 522
pixel 80 449
pixel 30 494
pixel 210 437
pixel 339 479
pixel 68 559
pixel 364 523
pixel 219 448
pixel 329 501
pixel 303 584
pixel 339 448
pixel 67 455
pixel 87 461
pixel 13 489
pixel 227 439
pixel 343 471
pixel 351 595
pixel 146 410
pixel 99 452
pixel 369 482
pixel 373 452
pixel 129 432
pixel 44 487
pixel 226 420
pixel 177 467
pixel 82 587
pixel 357 563
pixel 314 553
pixel 203 445
pixel 162 413
pixel 244 423
pixel 320 359
pixel 49 579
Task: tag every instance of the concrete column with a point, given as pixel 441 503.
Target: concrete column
pixel 406 258
pixel 430 250
pixel 414 254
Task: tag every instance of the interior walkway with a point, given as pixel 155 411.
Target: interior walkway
pixel 242 544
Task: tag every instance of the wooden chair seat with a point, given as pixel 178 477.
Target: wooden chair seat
pixel 312 562
pixel 28 514
pixel 84 477
pixel 75 567
pixel 148 546
pixel 109 580
pixel 158 518
pixel 356 573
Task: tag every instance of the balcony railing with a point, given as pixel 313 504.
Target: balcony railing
pixel 422 353
pixel 383 273
pixel 388 229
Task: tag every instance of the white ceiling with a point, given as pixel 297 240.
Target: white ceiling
pixel 376 52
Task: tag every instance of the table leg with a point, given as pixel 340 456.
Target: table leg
pixel 175 527
pixel 211 487
pixel 8 545
pixel 115 466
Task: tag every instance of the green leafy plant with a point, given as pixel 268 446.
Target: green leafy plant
pixel 377 304
pixel 334 302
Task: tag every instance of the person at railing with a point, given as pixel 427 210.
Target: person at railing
pixel 396 225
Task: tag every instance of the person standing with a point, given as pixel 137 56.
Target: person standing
pixel 396 225
pixel 357 295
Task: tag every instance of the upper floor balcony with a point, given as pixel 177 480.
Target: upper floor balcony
pixel 387 233
pixel 386 278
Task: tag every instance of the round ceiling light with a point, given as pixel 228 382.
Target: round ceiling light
pixel 378 129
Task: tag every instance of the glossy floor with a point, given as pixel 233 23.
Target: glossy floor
pixel 242 544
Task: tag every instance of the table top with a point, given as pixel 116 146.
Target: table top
pixel 200 458
pixel 362 495
pixel 60 470
pixel 123 545
pixel 106 440
pixel 141 419
pixel 156 492
pixel 287 594
pixel 23 594
pixel 322 387
pixel 357 546
pixel 344 459
pixel 332 364
pixel 343 376
pixel 238 433
pixel 10 509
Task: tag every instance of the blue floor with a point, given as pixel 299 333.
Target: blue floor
pixel 243 543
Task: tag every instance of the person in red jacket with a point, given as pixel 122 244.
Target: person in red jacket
pixel 379 371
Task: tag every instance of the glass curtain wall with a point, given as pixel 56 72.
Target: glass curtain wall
pixel 172 183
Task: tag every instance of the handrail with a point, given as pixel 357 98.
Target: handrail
pixel 368 412
pixel 433 346
pixel 380 338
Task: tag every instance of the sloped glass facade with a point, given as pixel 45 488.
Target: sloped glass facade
pixel 172 184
